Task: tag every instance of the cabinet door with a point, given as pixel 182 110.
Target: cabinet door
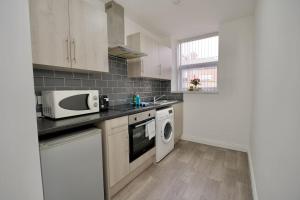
pixel 165 58
pixel 178 120
pixel 88 33
pixel 49 21
pixel 150 63
pixel 118 156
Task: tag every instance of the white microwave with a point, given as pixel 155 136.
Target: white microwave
pixel 67 103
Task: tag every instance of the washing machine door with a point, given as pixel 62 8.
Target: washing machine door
pixel 167 131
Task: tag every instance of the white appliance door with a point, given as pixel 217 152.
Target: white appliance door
pixel 167 131
pixel 72 167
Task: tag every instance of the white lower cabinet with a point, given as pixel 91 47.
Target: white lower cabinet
pixel 178 120
pixel 118 158
pixel 115 152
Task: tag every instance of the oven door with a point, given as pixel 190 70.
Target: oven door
pixel 138 142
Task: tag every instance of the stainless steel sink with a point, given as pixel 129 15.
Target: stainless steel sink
pixel 163 102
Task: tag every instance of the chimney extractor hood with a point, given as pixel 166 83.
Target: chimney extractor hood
pixel 116 33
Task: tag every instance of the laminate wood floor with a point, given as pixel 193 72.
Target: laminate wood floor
pixel 193 172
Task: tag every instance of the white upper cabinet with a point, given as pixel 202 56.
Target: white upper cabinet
pixel 150 62
pixel 69 34
pixel 49 21
pixel 88 35
pixel 155 64
pixel 165 57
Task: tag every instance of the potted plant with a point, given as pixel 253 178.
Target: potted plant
pixel 194 83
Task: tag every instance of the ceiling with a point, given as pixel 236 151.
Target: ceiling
pixel 185 18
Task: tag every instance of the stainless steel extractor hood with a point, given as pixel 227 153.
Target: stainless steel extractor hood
pixel 116 32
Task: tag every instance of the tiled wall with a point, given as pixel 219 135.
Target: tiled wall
pixel 115 84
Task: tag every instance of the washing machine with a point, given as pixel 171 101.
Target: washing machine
pixel 164 133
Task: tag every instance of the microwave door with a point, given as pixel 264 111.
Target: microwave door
pixel 75 102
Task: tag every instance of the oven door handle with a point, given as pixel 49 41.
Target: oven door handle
pixel 142 124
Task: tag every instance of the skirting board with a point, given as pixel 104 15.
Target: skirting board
pixel 215 143
pixel 252 177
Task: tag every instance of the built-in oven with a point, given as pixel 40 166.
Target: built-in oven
pixel 140 141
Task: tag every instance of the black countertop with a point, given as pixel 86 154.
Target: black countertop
pixel 48 126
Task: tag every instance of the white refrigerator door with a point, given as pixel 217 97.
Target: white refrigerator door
pixel 72 167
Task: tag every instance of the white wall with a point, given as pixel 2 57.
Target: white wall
pixel 275 149
pixel 224 119
pixel 20 174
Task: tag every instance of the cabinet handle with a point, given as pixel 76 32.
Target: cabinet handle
pixel 74 50
pixel 68 48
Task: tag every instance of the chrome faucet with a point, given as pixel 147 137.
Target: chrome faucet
pixel 157 98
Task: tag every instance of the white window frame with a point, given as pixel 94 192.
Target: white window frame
pixel 198 65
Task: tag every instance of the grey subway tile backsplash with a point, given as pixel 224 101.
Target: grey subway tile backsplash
pixel 43 73
pixel 95 76
pixel 116 84
pixel 106 76
pixel 101 83
pixel 39 81
pixel 107 90
pixel 81 75
pixel 116 77
pixel 88 83
pixel 54 81
pixel 112 84
pixel 62 74
pixel 75 82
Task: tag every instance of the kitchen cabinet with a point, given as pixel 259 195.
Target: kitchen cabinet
pixel 49 20
pixel 116 151
pixel 69 34
pixel 178 120
pixel 88 35
pixel 165 57
pixel 156 64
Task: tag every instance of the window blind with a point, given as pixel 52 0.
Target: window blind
pixel 198 59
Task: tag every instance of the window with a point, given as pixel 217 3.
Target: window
pixel 198 59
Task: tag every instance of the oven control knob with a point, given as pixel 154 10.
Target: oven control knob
pixel 95 98
pixel 95 104
pixel 135 118
pixel 149 115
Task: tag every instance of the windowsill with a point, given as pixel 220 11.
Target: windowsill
pixel 202 91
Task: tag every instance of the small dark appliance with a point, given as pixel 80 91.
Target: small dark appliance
pixel 103 102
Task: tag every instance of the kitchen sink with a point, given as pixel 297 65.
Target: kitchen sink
pixel 163 102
